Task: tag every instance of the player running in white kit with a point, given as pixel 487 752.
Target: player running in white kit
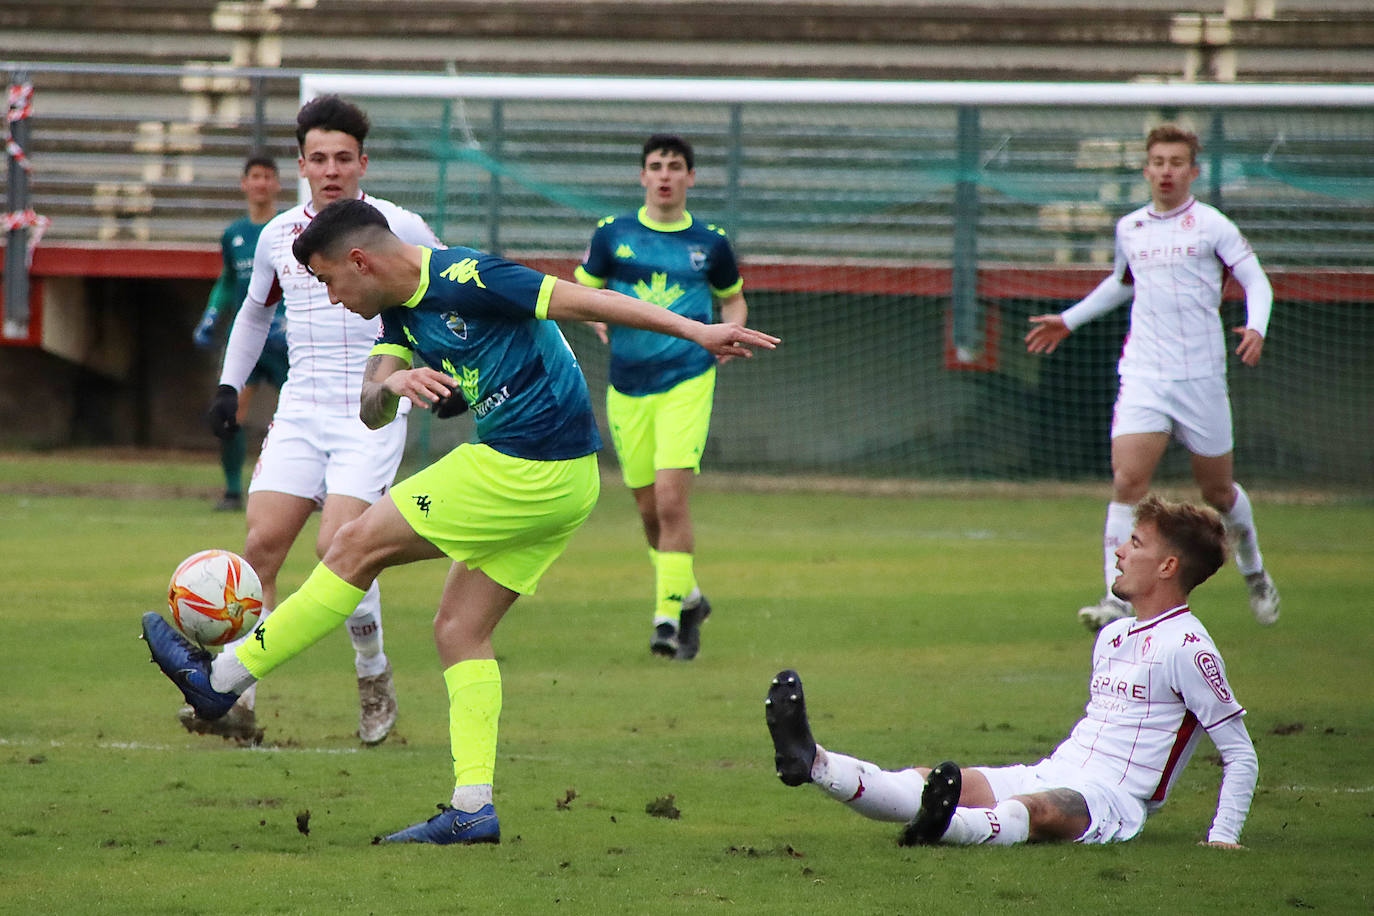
pixel 1157 683
pixel 1172 258
pixel 317 451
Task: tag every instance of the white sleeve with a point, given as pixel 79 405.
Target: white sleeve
pixel 1259 295
pixel 1110 293
pixel 411 228
pixel 1240 772
pixel 246 340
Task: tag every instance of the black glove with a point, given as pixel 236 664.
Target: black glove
pixel 224 408
pixel 451 405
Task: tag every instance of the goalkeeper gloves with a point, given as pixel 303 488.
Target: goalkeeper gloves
pixel 224 407
pixel 204 334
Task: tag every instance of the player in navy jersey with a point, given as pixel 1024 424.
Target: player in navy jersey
pixel 1157 684
pixel 501 508
pixel 658 404
pixel 261 185
pixel 1172 259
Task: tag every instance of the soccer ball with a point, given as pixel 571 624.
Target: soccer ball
pixel 215 597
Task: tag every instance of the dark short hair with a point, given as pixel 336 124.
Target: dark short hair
pixel 341 223
pixel 1172 133
pixel 259 160
pixel 668 143
pixel 330 112
pixel 1196 534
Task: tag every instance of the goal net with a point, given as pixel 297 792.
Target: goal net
pixel 898 235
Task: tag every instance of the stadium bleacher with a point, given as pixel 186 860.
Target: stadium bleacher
pixel 144 110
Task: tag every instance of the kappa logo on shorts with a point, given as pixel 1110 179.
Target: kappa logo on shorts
pixel 422 503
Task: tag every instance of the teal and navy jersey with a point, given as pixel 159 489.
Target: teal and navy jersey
pixel 683 267
pixel 482 319
pixel 237 245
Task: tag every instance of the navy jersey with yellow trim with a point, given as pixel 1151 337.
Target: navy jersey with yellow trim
pixel 683 267
pixel 482 320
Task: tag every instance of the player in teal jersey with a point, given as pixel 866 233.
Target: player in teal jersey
pixel 261 185
pixel 658 404
pixel 501 508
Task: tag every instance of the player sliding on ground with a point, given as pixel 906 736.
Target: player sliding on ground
pixel 1155 678
pixel 501 508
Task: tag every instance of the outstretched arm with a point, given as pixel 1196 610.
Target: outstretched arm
pixel 580 303
pixel 1050 330
pixel 1240 772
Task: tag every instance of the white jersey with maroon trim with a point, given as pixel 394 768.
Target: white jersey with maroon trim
pixel 1176 262
pixel 1155 687
pixel 328 345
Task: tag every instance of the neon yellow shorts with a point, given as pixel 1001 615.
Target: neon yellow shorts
pixel 509 517
pixel 665 430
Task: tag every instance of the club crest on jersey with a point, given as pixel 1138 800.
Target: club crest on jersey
pixel 1210 667
pixel 1189 221
pixel 456 324
pixel 697 257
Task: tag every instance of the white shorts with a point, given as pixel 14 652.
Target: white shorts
pixel 317 456
pixel 1116 815
pixel 1196 412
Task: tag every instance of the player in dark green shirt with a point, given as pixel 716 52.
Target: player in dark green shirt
pixel 261 185
pixel 501 508
pixel 658 404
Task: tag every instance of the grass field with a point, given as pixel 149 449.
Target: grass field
pixel 926 626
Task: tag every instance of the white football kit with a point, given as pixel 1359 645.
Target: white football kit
pixel 1173 363
pixel 316 443
pixel 1155 688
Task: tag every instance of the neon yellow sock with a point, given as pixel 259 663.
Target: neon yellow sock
pixel 672 583
pixel 321 604
pixel 474 706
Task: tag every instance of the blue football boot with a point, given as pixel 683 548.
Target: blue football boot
pixel 451 826
pixel 187 665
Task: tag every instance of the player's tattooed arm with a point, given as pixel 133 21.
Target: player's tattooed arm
pixel 377 405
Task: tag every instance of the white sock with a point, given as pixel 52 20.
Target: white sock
pixel 471 798
pixel 1117 531
pixel 1240 524
pixel 249 698
pixel 365 631
pixel 882 795
pixel 1004 825
pixel 227 673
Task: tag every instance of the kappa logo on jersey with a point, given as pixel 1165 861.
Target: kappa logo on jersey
pixel 1191 637
pixel 462 272
pixel 657 291
pixel 1116 641
pixel 297 228
pixel 1145 647
pixel 697 257
pixel 625 252
pixel 260 634
pixel 456 324
pixel 1210 667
